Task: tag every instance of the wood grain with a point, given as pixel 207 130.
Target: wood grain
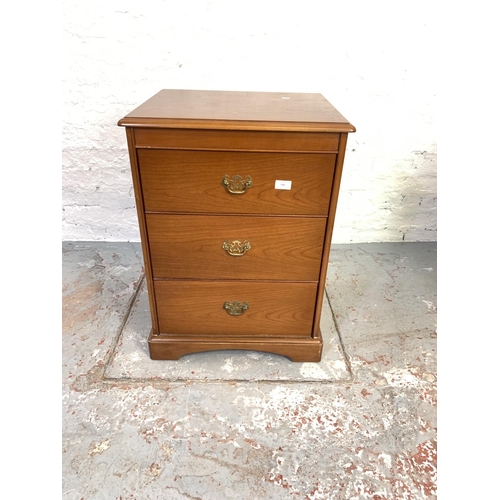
pixel 172 347
pixel 196 308
pixel 236 140
pixel 142 228
pixel 237 110
pixel 191 181
pixel 181 144
pixel 329 232
pixel 190 246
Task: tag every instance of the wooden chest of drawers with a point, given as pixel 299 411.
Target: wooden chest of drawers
pixel 236 195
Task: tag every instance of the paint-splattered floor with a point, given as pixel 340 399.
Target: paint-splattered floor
pixel 360 425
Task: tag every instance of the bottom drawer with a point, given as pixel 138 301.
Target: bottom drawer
pixel 209 308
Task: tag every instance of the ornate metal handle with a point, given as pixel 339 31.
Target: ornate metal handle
pixel 237 185
pixel 236 248
pixel 235 308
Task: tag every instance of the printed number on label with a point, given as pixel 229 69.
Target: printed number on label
pixel 283 185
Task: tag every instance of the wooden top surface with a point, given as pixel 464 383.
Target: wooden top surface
pixel 208 109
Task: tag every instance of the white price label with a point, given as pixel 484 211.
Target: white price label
pixel 283 185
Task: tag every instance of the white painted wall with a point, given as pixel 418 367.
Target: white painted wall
pixel 374 61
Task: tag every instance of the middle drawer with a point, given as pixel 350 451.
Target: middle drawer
pixel 235 247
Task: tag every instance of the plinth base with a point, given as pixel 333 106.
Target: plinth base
pixel 171 347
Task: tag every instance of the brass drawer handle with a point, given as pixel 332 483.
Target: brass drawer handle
pixel 235 308
pixel 236 248
pixel 237 185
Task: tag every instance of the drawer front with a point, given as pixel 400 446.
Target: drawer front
pixel 235 247
pixel 205 182
pixel 207 308
pixel 236 140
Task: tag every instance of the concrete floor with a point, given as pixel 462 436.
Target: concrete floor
pixel 240 425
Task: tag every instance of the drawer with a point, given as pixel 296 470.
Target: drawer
pixel 193 182
pixel 235 247
pixel 198 308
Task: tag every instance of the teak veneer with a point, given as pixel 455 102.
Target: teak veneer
pixel 236 194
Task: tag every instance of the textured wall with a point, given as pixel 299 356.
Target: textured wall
pixel 374 61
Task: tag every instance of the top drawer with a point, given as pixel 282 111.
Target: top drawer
pixel 206 182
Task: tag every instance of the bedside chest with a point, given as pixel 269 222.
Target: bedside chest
pixel 236 195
